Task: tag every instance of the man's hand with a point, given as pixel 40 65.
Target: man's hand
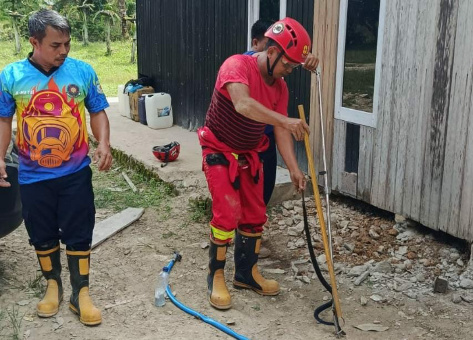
pixel 298 179
pixel 311 62
pixel 297 127
pixel 3 175
pixel 103 157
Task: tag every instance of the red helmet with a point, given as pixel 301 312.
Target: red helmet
pixel 167 153
pixel 292 37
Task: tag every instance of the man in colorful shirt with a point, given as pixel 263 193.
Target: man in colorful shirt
pixel 249 94
pixel 49 93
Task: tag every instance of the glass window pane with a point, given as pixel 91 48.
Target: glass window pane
pixel 269 10
pixel 360 54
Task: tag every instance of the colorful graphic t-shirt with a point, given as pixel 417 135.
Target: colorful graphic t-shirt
pixel 52 133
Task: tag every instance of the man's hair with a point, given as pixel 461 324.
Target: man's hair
pixel 40 20
pixel 270 43
pixel 259 28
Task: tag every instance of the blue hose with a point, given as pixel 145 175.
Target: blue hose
pixel 195 314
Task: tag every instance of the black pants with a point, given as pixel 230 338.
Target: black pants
pixel 270 160
pixel 60 209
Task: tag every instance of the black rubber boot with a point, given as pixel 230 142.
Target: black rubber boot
pixel 219 297
pixel 247 275
pixel 81 303
pixel 49 258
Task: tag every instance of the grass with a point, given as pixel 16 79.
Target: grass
pixel 15 320
pixel 111 70
pixel 361 56
pixel 36 286
pixel 201 209
pixel 113 192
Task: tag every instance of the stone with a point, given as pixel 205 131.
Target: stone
pixel 456 298
pixel 300 243
pixel 402 250
pixel 399 218
pixel 357 270
pixel 466 284
pixel 402 287
pixel 344 224
pixel 460 263
pixel 373 234
pixel 349 246
pixel 383 267
pixel 454 256
pixel 393 232
pixel 411 295
pixel 384 226
pixel 362 278
pixel 411 255
pixel 440 285
pixel 363 301
pixel 289 205
pixel 377 298
pixel 321 259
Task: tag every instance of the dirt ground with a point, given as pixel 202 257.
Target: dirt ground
pixel 124 270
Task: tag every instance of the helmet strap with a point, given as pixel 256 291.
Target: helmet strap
pixel 271 68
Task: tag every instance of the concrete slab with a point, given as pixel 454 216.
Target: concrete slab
pixel 137 141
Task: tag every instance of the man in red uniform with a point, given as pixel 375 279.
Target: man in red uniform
pixel 249 93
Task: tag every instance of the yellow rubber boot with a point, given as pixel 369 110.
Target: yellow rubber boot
pixel 219 297
pixel 80 302
pixel 247 275
pixel 50 262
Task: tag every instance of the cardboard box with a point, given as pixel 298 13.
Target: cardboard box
pixel 134 101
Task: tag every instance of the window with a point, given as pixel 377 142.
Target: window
pixel 264 9
pixel 359 60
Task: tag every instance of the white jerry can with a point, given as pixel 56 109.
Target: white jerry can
pixel 123 102
pixel 158 110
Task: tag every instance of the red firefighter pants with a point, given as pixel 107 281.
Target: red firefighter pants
pixel 232 208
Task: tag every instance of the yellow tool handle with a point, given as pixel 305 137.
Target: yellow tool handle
pixel 320 216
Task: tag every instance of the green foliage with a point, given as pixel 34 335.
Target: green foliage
pixel 35 285
pixel 15 320
pixel 70 9
pixel 113 192
pixel 201 209
pixel 111 70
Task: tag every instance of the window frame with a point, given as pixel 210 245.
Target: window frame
pixel 343 113
pixel 253 15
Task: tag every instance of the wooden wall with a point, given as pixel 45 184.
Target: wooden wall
pixel 182 43
pixel 326 16
pixel 418 161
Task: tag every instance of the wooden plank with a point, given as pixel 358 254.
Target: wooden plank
pixel 465 230
pixel 465 223
pixel 414 153
pixel 338 153
pixel 348 186
pixel 427 14
pixel 435 152
pixel 365 163
pixel 457 125
pixel 326 17
pixel 386 93
pixel 395 112
pixel 112 225
pixel 405 114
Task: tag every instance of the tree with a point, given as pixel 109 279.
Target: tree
pixel 122 13
pixel 82 9
pixel 109 16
